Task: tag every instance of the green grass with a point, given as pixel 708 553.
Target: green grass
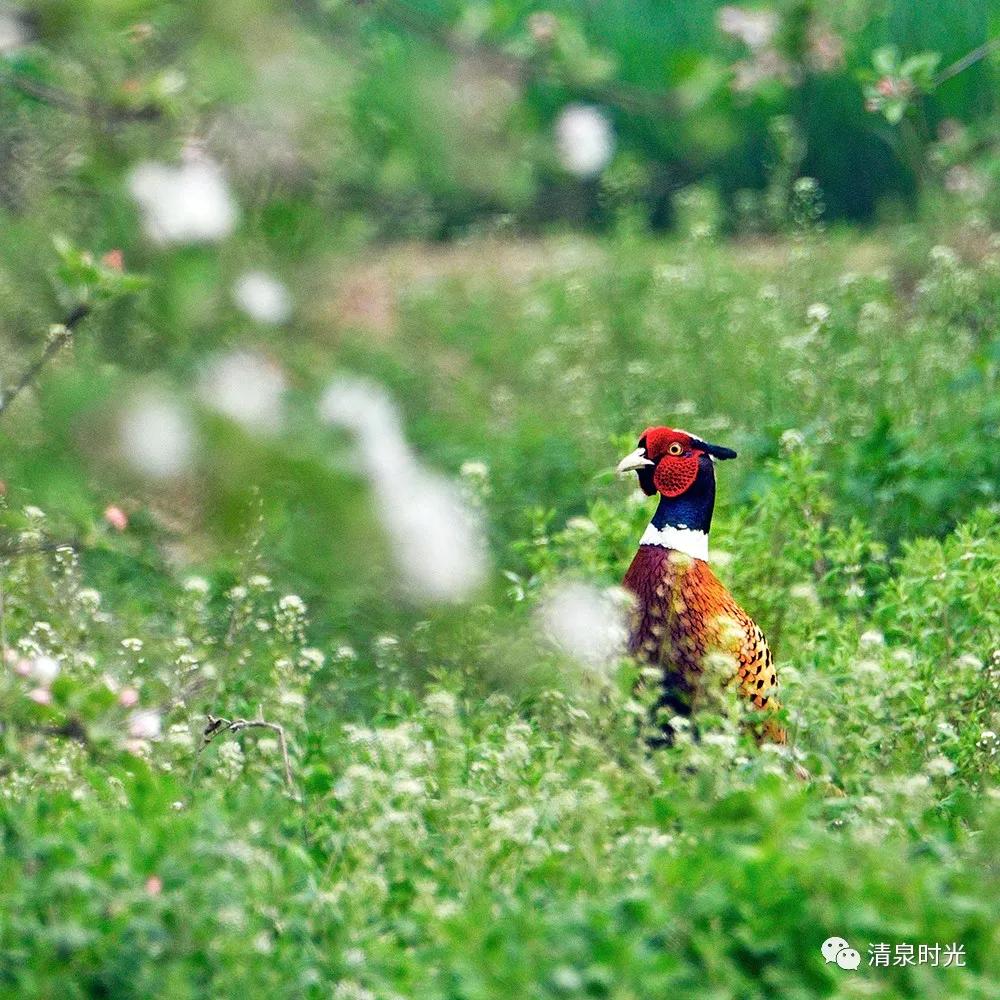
pixel 474 816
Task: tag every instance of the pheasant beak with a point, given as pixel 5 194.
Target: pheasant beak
pixel 636 460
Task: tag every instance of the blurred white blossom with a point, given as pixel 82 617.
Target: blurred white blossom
pixel 818 312
pixel 13 31
pixel 45 669
pixel 262 297
pixel 755 28
pixel 189 203
pixel 585 622
pixel 247 387
pixel 156 436
pixel 437 539
pixel 585 140
pixel 144 725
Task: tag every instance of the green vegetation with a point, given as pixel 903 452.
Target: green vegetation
pixel 246 748
pixel 471 815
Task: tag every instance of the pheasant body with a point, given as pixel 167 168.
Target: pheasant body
pixel 682 616
pixel 685 622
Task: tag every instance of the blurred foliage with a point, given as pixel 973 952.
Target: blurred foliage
pixel 454 841
pixel 428 118
pixel 471 814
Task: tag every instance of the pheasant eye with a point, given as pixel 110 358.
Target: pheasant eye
pixel 675 448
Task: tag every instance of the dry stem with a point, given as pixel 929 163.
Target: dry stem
pixel 218 726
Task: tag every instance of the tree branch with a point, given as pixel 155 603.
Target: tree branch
pixel 8 551
pixel 57 98
pixel 218 727
pixel 60 334
pixel 627 97
pixel 969 59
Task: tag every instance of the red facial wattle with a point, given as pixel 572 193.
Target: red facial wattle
pixel 676 475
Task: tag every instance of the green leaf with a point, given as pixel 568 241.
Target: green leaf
pixel 885 60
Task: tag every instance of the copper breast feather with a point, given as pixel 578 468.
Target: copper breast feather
pixel 682 616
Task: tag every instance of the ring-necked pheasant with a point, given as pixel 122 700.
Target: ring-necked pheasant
pixel 683 614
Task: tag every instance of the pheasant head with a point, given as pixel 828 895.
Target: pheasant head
pixel 679 467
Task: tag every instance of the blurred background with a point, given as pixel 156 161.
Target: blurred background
pixel 492 211
pixel 352 307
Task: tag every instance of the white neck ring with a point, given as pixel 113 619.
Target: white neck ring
pixel 687 540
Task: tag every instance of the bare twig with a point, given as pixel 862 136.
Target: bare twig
pixel 17 551
pixel 218 727
pixel 969 59
pixel 59 336
pixel 112 114
pixel 627 97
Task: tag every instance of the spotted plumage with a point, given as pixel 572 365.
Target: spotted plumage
pixel 685 622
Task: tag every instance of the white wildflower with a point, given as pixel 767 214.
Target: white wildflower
pixel 312 658
pixel 246 387
pixel 873 637
pixel 586 623
pixel 407 786
pixel 818 313
pixel 179 735
pixel 585 141
pixel 262 297
pixel 45 669
pixel 791 440
pixel 348 990
pixel 89 598
pixel 943 256
pixel 156 436
pixel 14 32
pixel 474 470
pixel 755 28
pixel 144 725
pixel 940 766
pixel 189 203
pixel 196 585
pixel 438 539
pixel 441 703
pixel 804 592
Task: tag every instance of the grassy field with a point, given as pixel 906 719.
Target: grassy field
pixel 468 812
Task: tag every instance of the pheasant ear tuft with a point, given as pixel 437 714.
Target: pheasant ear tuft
pixel 715 450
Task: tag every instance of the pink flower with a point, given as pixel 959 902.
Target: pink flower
pixel 543 26
pixel 40 695
pixel 128 698
pixel 886 86
pixel 116 518
pixel 154 885
pixel 114 260
pixel 144 725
